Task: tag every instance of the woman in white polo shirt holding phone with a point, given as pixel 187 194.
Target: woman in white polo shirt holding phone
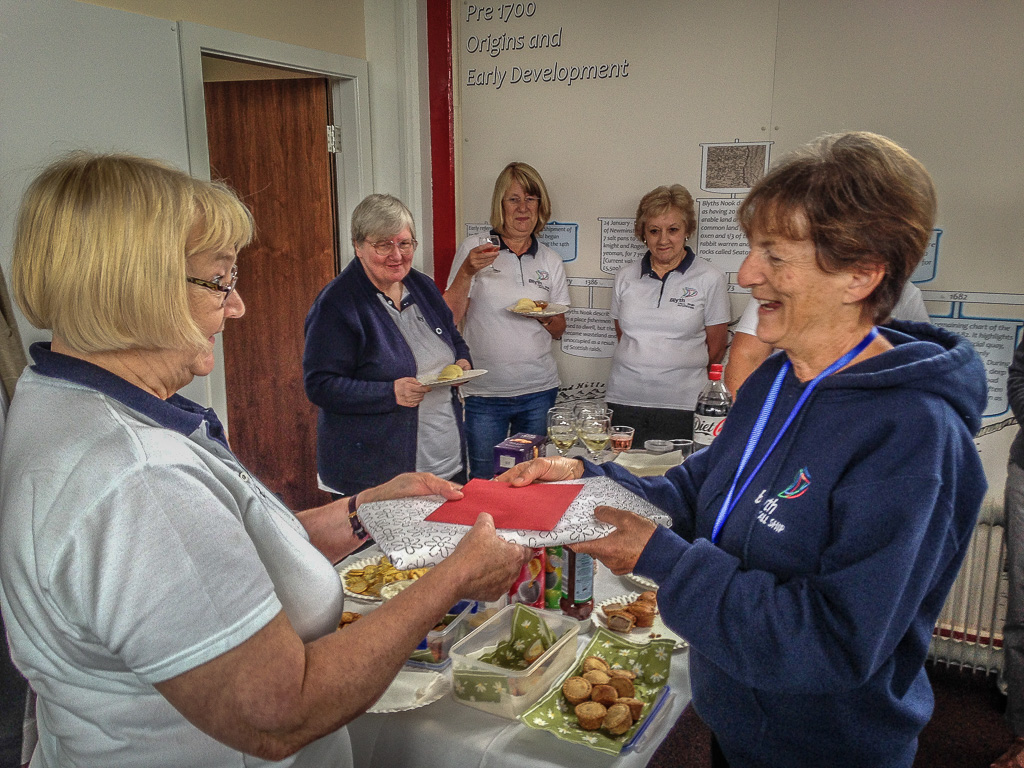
pixel 522 379
pixel 670 310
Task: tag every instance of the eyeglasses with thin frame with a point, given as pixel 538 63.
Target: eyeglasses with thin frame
pixel 214 285
pixel 530 200
pixel 386 247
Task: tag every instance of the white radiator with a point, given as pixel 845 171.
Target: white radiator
pixel 969 632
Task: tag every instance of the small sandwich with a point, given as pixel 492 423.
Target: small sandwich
pixel 450 372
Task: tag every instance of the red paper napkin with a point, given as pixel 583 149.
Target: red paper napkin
pixel 536 507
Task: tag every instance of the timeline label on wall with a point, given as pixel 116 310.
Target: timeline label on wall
pixel 929 264
pixel 994 340
pixel 719 238
pixel 560 236
pixel 589 332
pixel 619 245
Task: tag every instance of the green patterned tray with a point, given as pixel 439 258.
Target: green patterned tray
pixel 651 663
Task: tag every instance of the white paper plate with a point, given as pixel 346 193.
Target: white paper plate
pixel 343 569
pixel 641 635
pixel 353 566
pixel 549 311
pixel 432 381
pixel 411 689
pixel 642 581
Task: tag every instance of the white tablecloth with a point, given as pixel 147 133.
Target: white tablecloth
pixel 456 736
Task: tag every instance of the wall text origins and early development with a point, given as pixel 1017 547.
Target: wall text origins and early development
pixel 494 43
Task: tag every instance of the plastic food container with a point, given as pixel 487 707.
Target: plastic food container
pixel 657 446
pixel 433 650
pixel 507 692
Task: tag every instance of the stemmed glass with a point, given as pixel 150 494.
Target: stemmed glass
pixel 595 431
pixel 495 241
pixel 561 429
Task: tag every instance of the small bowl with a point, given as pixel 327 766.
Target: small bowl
pixel 658 446
pixel 388 591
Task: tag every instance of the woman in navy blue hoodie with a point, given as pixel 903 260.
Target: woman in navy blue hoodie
pixel 815 540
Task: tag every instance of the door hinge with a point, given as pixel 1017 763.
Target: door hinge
pixel 334 139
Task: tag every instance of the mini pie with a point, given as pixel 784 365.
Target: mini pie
pixel 604 694
pixel 636 706
pixel 617 719
pixel 627 673
pixel 576 690
pixel 597 677
pixel 590 715
pixel 595 662
pixel 624 687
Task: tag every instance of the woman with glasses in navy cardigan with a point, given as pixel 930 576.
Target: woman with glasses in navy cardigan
pixel 372 335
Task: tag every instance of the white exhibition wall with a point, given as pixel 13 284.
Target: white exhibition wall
pixel 609 99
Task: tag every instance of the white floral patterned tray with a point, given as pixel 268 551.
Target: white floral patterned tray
pixel 400 529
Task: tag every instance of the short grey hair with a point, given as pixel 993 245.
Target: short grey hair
pixel 381 216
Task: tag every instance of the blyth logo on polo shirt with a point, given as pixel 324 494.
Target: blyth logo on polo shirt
pixel 681 301
pixel 540 281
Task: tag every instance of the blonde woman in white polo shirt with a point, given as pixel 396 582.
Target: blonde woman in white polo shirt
pixel 670 310
pixel 522 379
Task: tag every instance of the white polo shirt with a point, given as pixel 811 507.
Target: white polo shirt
pixel 661 360
pixel 910 306
pixel 136 548
pixel 514 350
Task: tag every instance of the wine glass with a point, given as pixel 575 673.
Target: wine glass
pixel 586 408
pixel 495 241
pixel 596 432
pixel 561 429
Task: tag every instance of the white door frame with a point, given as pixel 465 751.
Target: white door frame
pixel 351 111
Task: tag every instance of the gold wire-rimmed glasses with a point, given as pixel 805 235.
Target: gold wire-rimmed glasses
pixel 214 285
pixel 385 247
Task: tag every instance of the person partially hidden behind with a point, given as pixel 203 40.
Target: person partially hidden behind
pixel 1013 630
pixel 746 351
pixel 813 543
pixel 670 311
pixel 163 604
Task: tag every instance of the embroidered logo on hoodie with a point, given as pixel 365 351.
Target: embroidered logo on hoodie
pixel 798 487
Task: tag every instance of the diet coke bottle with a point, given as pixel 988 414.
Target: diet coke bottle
pixel 713 405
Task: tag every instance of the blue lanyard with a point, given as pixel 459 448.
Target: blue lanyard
pixel 762 420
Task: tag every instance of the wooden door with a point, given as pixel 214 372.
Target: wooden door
pixel 268 141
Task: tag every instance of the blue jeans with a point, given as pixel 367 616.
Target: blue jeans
pixel 489 420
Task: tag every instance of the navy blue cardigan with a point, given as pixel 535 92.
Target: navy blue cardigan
pixel 354 353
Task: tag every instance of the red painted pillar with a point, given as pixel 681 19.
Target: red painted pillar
pixel 442 136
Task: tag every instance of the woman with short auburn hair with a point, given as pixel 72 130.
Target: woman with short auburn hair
pixel 861 200
pixel 814 542
pixel 164 605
